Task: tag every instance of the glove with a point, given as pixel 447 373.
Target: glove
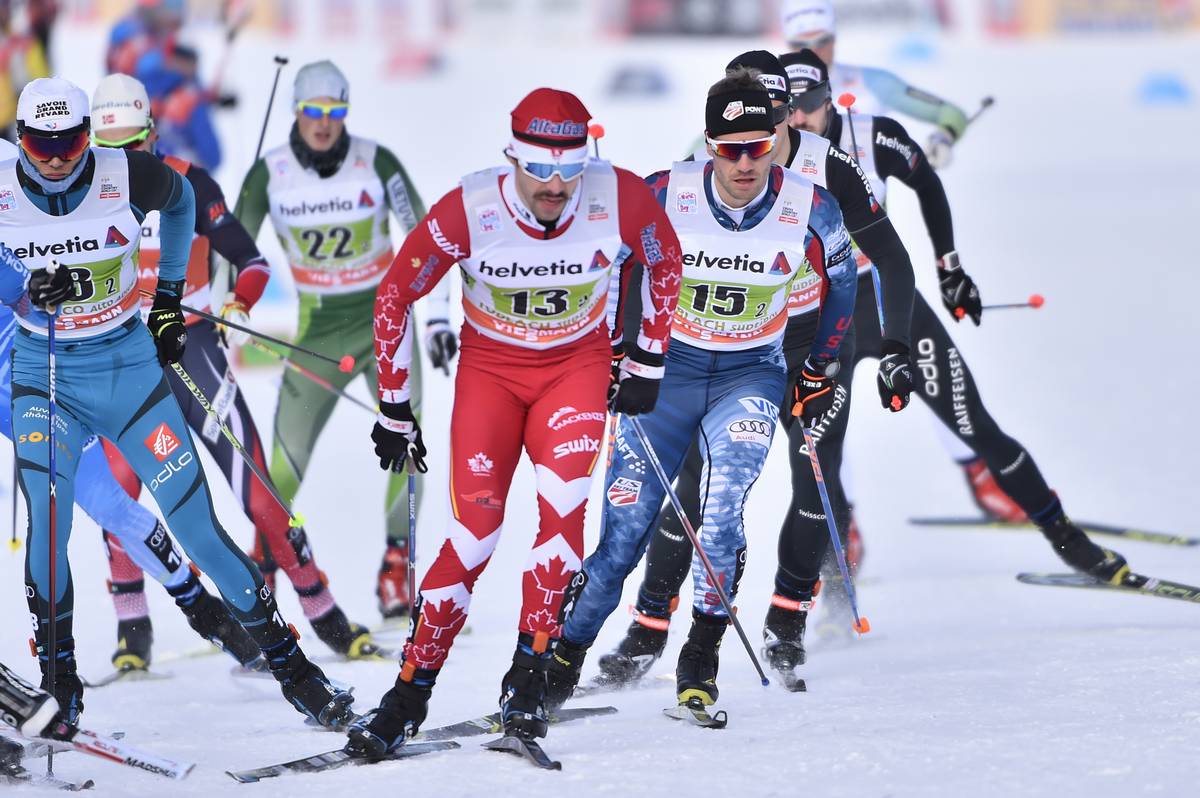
pixel 959 294
pixel 638 379
pixel 166 322
pixel 46 290
pixel 396 432
pixel 812 393
pixel 234 310
pixel 614 382
pixel 895 377
pixel 939 151
pixel 441 343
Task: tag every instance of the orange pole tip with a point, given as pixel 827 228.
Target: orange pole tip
pixel 959 313
pixel 596 130
pixel 846 99
pixel 295 631
pixel 346 364
pixel 863 626
pixel 1036 300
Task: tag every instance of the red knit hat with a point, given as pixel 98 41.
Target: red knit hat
pixel 550 123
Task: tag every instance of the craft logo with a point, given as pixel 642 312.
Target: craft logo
pixel 115 239
pixel 599 262
pixel 488 217
pixel 480 465
pixel 365 201
pixel 685 201
pixel 780 265
pixel 624 491
pixel 162 442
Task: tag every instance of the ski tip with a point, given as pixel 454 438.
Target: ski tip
pixel 185 770
pixel 862 625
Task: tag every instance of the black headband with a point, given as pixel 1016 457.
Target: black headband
pixel 739 111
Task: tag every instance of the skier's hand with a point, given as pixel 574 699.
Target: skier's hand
pixel 234 310
pixel 441 343
pixel 638 379
pixel 614 376
pixel 396 432
pixel 812 393
pixel 166 321
pixel 895 377
pixel 939 150
pixel 47 291
pixel 959 294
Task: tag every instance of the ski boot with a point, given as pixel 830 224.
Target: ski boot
pixel 134 639
pixel 1077 550
pixel 523 690
pixel 989 496
pixel 305 686
pixel 696 672
pixel 562 672
pixel 351 640
pixel 67 688
pixel 398 717
pixel 11 754
pixel 783 639
pixel 641 647
pixel 210 618
pixel 395 600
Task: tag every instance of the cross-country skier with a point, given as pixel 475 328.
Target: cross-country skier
pixel 537 242
pixel 328 194
pixel 74 215
pixel 121 114
pixel 811 24
pixel 751 232
pixel 669 554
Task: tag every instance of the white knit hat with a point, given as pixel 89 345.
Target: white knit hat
pixel 802 17
pixel 120 101
pixel 320 79
pixel 52 105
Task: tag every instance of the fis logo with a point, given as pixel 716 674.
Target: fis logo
pixel 162 442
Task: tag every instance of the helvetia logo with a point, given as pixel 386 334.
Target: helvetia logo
pixel 115 239
pixel 780 265
pixel 70 246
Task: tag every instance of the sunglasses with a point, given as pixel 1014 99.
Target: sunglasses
pixel 47 148
pixel 544 172
pixel 321 110
pixel 125 144
pixel 812 98
pixel 812 44
pixel 734 150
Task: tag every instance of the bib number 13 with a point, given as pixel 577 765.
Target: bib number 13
pixel 545 302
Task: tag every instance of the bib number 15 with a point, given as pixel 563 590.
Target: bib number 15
pixel 723 300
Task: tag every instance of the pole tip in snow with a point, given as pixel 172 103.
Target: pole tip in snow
pixel 1036 300
pixel 862 625
pixel 14 545
pixel 766 682
pixel 846 99
pixel 346 364
pixel 596 130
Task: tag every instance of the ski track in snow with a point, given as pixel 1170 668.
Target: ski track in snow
pixel 971 684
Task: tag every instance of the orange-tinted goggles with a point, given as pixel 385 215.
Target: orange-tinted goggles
pixel 734 150
pixel 67 146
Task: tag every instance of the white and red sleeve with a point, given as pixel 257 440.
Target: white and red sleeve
pixel 431 248
pixel 646 230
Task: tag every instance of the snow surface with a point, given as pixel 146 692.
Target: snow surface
pixel 970 683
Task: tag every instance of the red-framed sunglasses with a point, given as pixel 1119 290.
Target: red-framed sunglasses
pixel 734 150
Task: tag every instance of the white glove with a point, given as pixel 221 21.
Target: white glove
pixel 233 310
pixel 940 149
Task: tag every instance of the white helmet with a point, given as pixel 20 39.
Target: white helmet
pixel 320 79
pixel 801 17
pixel 120 101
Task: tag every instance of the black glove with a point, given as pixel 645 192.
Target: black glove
pixel 959 294
pixel 638 379
pixel 47 291
pixel 895 377
pixel 441 343
pixel 396 432
pixel 614 381
pixel 812 393
pixel 166 321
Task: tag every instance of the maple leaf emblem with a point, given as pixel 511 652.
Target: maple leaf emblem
pixel 551 578
pixel 444 617
pixel 427 655
pixel 541 621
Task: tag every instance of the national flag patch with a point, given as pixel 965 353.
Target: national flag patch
pixel 115 239
pixel 162 443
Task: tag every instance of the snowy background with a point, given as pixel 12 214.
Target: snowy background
pixel 1080 184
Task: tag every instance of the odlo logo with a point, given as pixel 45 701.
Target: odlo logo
pixel 171 469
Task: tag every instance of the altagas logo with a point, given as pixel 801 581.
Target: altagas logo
pixel 565 129
pixel 72 245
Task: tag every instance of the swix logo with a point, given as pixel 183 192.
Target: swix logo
pixel 780 265
pixel 599 262
pixel 162 442
pixel 170 469
pixel 480 465
pixel 582 444
pixel 365 201
pixel 444 244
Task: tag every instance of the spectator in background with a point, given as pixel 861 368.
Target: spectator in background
pixel 22 58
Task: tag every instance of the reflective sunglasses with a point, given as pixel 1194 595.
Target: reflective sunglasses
pixel 544 172
pixel 812 98
pixel 320 110
pixel 67 147
pixel 812 44
pixel 734 150
pixel 125 144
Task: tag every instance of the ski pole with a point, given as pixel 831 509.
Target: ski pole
pixel 280 63
pixel 294 519
pixel 846 100
pixel 1035 301
pixel 597 132
pixel 652 456
pixel 861 624
pixel 318 379
pixel 412 533
pixel 14 544
pixel 52 477
pixel 345 364
pixel 984 104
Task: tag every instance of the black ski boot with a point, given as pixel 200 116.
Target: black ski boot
pixel 351 640
pixel 635 654
pixel 305 686
pixel 562 672
pixel 210 618
pixel 523 692
pixel 696 673
pixel 398 717
pixel 67 689
pixel 135 636
pixel 783 643
pixel 1077 550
